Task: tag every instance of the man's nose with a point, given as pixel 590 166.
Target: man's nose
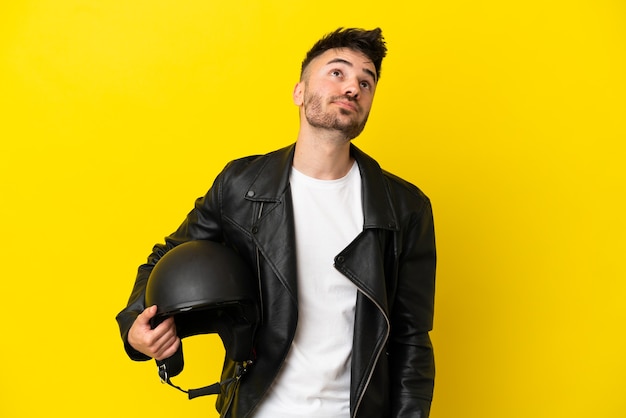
pixel 351 88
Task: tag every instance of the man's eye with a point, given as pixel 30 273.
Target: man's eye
pixel 365 84
pixel 335 73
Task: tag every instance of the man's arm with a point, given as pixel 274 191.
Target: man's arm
pixel 412 366
pixel 140 342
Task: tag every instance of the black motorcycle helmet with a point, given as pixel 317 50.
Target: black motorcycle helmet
pixel 207 288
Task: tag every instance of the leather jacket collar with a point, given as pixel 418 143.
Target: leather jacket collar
pixel 273 179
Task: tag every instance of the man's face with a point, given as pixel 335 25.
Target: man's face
pixel 336 91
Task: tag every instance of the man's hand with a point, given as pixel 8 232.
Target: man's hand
pixel 159 343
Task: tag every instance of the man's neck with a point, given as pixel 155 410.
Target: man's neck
pixel 322 157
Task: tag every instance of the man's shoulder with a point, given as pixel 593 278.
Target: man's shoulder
pixel 402 185
pixel 396 184
pixel 267 172
pixel 258 160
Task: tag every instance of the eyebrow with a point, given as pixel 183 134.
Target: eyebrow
pixel 348 63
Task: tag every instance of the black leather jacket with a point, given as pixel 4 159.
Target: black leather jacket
pixel 392 262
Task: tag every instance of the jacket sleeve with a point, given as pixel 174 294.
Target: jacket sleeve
pixel 203 222
pixel 412 367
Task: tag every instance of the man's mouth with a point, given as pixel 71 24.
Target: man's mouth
pixel 346 103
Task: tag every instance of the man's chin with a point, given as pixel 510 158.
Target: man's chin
pixel 343 122
pixel 352 131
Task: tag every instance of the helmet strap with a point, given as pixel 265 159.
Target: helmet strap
pixel 213 389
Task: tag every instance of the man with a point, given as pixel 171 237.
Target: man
pixel 344 252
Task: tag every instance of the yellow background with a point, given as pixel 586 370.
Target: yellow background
pixel 510 115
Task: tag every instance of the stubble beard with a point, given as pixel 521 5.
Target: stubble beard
pixel 350 128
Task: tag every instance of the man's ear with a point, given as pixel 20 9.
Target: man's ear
pixel 298 94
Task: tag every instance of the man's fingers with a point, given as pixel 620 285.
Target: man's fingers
pixel 168 348
pixel 160 342
pixel 165 342
pixel 147 314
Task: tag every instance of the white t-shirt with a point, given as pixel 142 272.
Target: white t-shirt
pixel 315 379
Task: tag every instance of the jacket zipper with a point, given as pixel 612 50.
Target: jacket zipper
pixel 380 350
pixel 258 271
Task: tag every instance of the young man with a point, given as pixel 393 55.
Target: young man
pixel 345 253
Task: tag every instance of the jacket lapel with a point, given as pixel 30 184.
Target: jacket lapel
pixel 363 260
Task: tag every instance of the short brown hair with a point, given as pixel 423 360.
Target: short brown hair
pixel 369 42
